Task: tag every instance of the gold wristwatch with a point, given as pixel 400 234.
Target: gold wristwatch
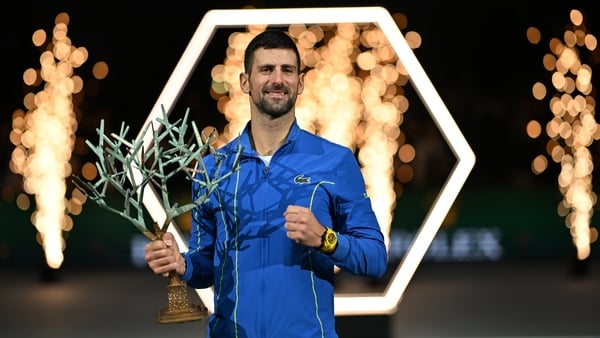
pixel 329 241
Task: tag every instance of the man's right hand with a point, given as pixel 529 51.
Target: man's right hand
pixel 163 256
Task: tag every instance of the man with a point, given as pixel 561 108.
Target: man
pixel 269 237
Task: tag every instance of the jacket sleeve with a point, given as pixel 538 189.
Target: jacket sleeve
pixel 199 257
pixel 361 247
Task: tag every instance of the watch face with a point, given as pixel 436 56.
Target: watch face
pixel 330 237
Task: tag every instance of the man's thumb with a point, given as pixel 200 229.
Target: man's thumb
pixel 168 238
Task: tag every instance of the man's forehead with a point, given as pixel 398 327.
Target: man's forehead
pixel 275 56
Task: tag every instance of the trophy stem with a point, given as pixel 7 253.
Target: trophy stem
pixel 180 309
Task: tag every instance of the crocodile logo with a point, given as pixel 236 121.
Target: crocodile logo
pixel 300 179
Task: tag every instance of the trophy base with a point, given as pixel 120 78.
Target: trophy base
pixel 193 313
pixel 180 309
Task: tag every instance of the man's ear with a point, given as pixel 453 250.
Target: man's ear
pixel 301 83
pixel 244 85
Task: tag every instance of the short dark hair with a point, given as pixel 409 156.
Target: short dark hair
pixel 270 39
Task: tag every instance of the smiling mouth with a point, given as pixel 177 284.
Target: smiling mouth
pixel 276 95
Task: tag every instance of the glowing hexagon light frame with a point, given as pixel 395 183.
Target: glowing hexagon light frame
pixel 346 304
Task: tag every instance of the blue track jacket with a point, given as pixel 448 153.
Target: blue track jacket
pixel 266 285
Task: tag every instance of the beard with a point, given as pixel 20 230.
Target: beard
pixel 275 108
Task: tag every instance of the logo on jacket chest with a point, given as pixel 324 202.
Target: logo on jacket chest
pixel 301 179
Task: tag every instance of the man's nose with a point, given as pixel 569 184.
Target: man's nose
pixel 277 76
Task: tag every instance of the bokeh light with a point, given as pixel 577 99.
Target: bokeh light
pixel 572 127
pixel 43 134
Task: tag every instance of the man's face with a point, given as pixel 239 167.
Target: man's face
pixel 273 83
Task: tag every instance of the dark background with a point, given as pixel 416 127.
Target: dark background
pixel 476 55
pixel 478 58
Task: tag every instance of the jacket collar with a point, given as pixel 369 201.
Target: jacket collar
pixel 247 145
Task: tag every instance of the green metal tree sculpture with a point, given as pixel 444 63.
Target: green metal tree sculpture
pixel 130 169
